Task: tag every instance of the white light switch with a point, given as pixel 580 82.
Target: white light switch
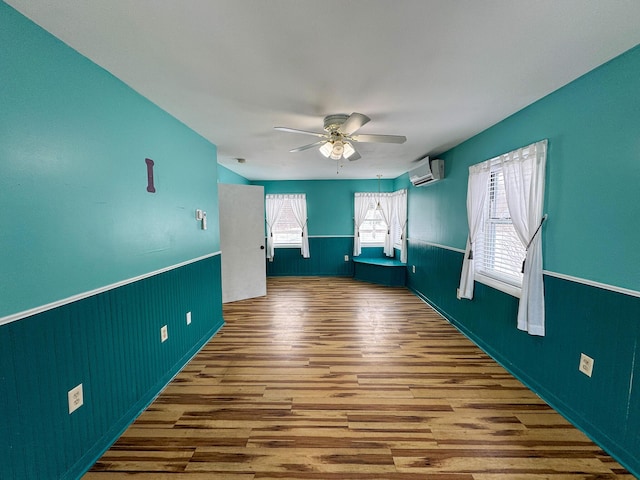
pixel 188 318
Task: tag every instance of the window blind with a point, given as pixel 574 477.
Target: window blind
pixel 499 253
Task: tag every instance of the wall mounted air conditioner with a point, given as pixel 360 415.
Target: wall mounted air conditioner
pixel 428 172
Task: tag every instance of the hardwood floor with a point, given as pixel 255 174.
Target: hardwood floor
pixel 330 378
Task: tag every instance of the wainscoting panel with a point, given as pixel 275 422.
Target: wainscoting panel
pixel 579 319
pixel 110 343
pixel 327 258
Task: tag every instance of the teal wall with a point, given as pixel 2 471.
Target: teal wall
pixel 227 176
pixel 76 218
pixel 593 203
pixel 593 173
pixel 73 141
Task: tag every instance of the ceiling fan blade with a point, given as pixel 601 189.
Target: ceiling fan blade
pixel 353 123
pixel 307 147
pixel 354 157
pixel 295 130
pixel 379 138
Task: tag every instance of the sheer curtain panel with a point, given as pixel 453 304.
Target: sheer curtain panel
pixel 400 211
pixel 385 201
pixel 476 195
pixel 360 207
pixel 299 207
pixel 524 179
pixel 273 207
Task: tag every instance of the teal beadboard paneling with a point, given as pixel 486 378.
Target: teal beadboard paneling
pixel 370 252
pixel 579 318
pixel 391 276
pixel 110 343
pixel 327 258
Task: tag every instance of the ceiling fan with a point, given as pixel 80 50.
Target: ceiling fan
pixel 339 137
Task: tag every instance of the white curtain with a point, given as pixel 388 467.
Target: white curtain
pixel 360 206
pixel 299 208
pixel 400 211
pixel 524 177
pixel 273 207
pixel 385 200
pixel 476 195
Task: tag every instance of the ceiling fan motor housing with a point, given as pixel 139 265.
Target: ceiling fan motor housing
pixel 333 122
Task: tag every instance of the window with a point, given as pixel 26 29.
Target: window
pixel 373 229
pixel 501 237
pixel 287 232
pixel 379 219
pixel 286 218
pixel 498 252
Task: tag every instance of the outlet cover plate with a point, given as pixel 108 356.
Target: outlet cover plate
pixel 188 318
pixel 164 334
pixel 586 364
pixel 76 398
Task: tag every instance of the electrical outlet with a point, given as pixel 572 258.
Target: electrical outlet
pixel 76 399
pixel 586 364
pixel 188 318
pixel 458 294
pixel 413 269
pixel 346 258
pixel 164 334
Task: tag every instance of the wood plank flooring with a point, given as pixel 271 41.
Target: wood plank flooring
pixel 334 379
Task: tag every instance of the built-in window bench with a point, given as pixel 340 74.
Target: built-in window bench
pixel 385 271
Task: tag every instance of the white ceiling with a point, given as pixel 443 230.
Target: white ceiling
pixel 435 71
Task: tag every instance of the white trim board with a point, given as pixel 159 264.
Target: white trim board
pixel 80 296
pixel 583 281
pixel 330 236
pixel 446 247
pixel 592 283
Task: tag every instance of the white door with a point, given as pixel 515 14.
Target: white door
pixel 242 241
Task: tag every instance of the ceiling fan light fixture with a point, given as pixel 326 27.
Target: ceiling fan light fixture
pixel 348 150
pixel 337 141
pixel 326 148
pixel 337 150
